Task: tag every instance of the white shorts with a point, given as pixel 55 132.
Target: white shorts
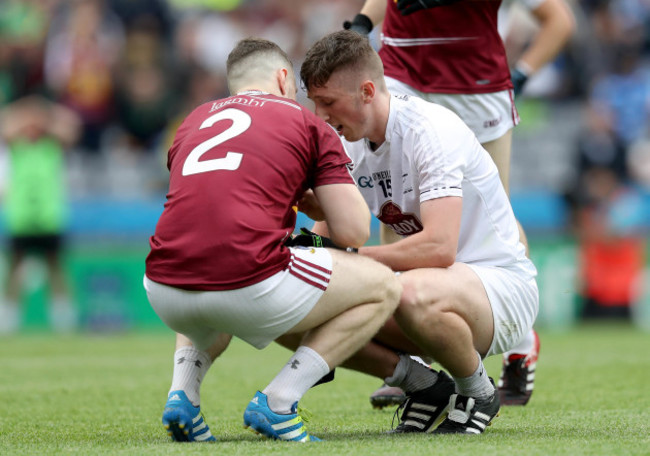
pixel 257 314
pixel 514 298
pixel 488 115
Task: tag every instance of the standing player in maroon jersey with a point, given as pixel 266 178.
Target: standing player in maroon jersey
pixel 219 266
pixel 450 52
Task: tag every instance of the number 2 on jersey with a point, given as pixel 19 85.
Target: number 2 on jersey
pixel 240 123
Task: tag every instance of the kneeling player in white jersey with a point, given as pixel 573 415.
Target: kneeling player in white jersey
pixel 469 289
pixel 219 265
pixel 451 53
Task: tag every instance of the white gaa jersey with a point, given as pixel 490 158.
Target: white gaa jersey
pixel 430 153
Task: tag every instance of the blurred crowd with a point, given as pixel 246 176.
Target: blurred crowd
pixel 132 68
pixel 129 71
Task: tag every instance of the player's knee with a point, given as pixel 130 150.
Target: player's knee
pixel 393 293
pixel 385 289
pixel 416 308
pixel 410 299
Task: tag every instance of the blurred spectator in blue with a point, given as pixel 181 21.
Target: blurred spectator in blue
pixel 599 146
pixel 624 93
pixel 608 209
pixel 37 133
pixel 84 45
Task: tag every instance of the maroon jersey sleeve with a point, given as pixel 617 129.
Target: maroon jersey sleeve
pixel 237 167
pixel 332 160
pixel 450 49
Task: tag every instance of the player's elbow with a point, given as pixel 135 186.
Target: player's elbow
pixel 444 257
pixel 565 23
pixel 353 235
pixel 447 259
pixel 568 24
pixel 571 28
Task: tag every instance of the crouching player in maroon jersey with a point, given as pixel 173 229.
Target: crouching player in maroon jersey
pixel 219 266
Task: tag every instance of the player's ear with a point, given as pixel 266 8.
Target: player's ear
pixel 282 78
pixel 368 90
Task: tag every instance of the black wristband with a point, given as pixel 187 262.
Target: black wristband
pixel 360 24
pixel 519 79
pixel 352 250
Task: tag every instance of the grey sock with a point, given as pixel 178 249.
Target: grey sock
pixel 411 375
pixel 477 385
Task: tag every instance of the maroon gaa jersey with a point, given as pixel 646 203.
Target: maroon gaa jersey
pixel 448 49
pixel 237 166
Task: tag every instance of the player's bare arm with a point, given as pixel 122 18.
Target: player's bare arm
pixel 346 213
pixel 375 10
pixel 556 27
pixel 434 246
pixel 310 206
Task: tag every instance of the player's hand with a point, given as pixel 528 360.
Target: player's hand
pixel 308 238
pixel 519 79
pixel 360 24
pixel 407 7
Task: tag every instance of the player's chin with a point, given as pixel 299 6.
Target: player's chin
pixel 349 135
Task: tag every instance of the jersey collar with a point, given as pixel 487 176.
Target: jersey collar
pixel 252 92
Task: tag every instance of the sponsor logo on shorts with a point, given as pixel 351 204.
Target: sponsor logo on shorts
pixel 492 123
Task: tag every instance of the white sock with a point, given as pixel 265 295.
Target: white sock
pixel 524 346
pixel 412 374
pixel 420 360
pixel 302 371
pixel 477 385
pixel 190 366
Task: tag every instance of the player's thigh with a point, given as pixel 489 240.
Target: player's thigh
pixel 500 150
pixel 355 280
pixel 456 289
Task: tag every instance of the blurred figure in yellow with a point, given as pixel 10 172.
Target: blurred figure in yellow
pixel 36 133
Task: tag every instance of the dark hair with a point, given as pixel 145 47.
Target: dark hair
pixel 339 50
pixel 250 46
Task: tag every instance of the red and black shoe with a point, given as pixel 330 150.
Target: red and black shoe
pixel 518 376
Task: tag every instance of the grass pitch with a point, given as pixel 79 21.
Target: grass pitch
pixel 104 394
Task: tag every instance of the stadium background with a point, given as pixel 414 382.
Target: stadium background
pixel 116 176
